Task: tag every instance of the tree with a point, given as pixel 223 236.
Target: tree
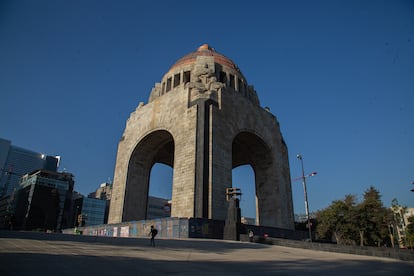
pixel 398 223
pixel 390 223
pixel 336 221
pixel 351 223
pixel 410 231
pixel 370 219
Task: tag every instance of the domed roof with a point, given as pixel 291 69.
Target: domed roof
pixel 205 50
pixel 194 69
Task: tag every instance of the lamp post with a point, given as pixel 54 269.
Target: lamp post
pixel 306 195
pixel 76 216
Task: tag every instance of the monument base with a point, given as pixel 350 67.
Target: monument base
pixel 167 228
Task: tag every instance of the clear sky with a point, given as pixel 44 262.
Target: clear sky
pixel 338 75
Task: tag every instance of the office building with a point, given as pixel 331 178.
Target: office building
pixel 158 208
pixel 43 201
pixel 104 192
pixel 6 212
pixel 16 162
pixel 89 211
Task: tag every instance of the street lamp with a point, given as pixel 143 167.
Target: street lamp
pixel 76 216
pixel 306 194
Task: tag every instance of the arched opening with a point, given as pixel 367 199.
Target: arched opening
pixel 156 147
pixel 250 149
pixel 160 191
pixel 243 178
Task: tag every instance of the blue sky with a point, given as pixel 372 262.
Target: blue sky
pixel 339 76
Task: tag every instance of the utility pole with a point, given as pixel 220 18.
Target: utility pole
pixel 306 195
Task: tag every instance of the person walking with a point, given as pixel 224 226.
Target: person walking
pixel 153 232
pixel 251 235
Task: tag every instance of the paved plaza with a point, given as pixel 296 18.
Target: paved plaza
pixel 58 254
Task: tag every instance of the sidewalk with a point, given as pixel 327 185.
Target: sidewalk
pixel 27 253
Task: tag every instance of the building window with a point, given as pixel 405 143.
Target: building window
pixel 232 81
pixel 168 84
pixel 163 88
pixel 240 86
pixel 223 77
pixel 186 77
pixel 176 80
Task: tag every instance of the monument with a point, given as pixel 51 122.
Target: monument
pixel 203 119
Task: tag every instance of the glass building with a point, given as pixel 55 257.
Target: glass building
pixel 43 201
pixel 89 211
pixel 16 162
pixel 158 207
pixel 103 192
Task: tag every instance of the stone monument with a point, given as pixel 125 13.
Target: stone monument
pixel 203 119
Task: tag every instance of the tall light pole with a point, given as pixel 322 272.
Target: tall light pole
pixel 306 195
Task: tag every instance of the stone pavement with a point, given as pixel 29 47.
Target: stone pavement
pixel 28 253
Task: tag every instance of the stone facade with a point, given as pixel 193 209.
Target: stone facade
pixel 203 120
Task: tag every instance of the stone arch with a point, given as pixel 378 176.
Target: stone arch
pixel 250 149
pixel 210 132
pixel 155 147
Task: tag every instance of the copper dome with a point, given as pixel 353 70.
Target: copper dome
pixel 205 50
